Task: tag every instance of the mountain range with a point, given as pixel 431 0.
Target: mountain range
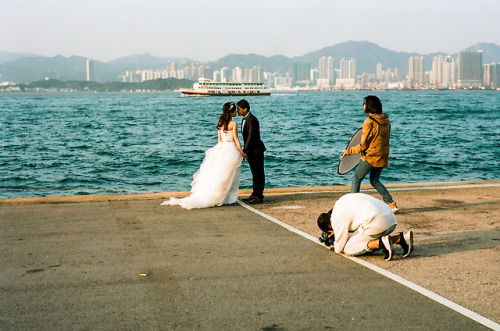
pixel 30 67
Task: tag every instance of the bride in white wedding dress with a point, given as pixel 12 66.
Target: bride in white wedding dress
pixel 217 180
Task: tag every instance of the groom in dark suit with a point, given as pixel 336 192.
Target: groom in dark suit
pixel 254 149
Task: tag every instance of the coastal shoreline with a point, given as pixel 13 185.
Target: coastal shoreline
pixel 242 192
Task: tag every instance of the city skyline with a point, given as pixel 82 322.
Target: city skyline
pixel 466 71
pixel 208 30
pixel 368 56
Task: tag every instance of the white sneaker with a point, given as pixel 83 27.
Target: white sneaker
pixel 406 242
pixel 385 244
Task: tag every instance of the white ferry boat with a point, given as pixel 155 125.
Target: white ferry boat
pixel 205 87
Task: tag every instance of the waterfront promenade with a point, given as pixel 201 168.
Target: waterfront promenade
pixel 125 262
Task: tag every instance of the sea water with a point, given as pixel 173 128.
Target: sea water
pixel 96 143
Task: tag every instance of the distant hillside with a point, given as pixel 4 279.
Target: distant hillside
pixel 9 56
pixel 145 61
pixel 367 55
pixel 29 69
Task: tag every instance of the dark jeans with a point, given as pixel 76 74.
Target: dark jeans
pixel 256 162
pixel 364 168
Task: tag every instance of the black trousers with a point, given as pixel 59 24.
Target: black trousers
pixel 256 162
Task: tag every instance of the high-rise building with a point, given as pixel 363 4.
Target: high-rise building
pixel 443 71
pixel 347 69
pixel 346 75
pixel 322 68
pixel 250 75
pixel 237 75
pixel 379 73
pixel 314 74
pixel 331 70
pixel 437 70
pixel 90 71
pixel 257 75
pixel 491 75
pixel 216 76
pixel 496 75
pixel 470 69
pixel 301 73
pixel 449 71
pixel 224 74
pixel 201 71
pixel 388 75
pixel 171 66
pixel 416 70
pixel 326 69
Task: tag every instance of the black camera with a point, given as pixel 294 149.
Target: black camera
pixel 325 240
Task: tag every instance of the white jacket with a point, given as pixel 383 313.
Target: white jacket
pixel 362 212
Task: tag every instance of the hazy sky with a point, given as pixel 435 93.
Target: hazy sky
pixel 210 29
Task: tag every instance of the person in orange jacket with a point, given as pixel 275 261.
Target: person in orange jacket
pixel 374 149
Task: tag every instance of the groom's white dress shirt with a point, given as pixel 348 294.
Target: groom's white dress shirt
pixel 244 121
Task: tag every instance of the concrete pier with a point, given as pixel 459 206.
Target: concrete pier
pixel 125 262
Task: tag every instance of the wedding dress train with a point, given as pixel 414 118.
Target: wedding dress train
pixel 217 180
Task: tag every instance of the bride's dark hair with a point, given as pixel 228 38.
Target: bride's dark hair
pixel 225 118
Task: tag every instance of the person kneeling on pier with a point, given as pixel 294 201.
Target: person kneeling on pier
pixel 360 224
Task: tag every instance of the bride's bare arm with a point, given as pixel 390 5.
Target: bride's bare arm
pixel 237 140
pixel 219 138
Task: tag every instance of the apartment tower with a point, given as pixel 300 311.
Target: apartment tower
pixel 90 71
pixel 416 70
pixel 470 69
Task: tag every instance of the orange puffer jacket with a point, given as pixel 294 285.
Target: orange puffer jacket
pixel 374 145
